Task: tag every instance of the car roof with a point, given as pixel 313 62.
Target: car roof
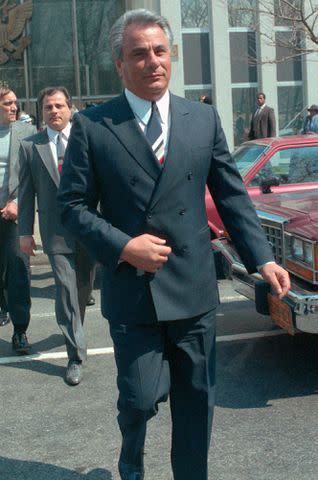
pixel 290 140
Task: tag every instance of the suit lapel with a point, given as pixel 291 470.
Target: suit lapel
pixel 178 150
pixel 43 147
pixel 121 121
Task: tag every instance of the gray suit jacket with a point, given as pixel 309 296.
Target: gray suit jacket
pixel 19 131
pixel 109 160
pixel 263 124
pixel 39 178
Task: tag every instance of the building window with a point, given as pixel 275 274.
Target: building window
pixel 196 48
pixel 288 61
pixel 51 57
pixel 290 109
pixel 243 100
pixel 57 56
pixel 289 80
pixel 243 56
pixel 97 71
pixel 196 52
pixel 194 13
pixel 242 13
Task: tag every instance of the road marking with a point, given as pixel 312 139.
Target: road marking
pixel 249 335
pixel 110 351
pixel 233 298
pixel 52 355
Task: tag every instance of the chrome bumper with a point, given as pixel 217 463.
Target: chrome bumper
pixel 302 301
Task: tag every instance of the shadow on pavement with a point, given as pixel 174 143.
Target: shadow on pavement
pixel 40 366
pixel 12 469
pixel 251 374
pixel 50 343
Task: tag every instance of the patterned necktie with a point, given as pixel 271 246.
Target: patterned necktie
pixel 154 133
pixel 60 150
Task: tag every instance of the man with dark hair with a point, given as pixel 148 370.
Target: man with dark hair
pixel 14 265
pixel 147 156
pixel 263 122
pixel 41 159
pixel 205 99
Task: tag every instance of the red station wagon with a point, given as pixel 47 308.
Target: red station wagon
pixel 290 222
pixel 272 165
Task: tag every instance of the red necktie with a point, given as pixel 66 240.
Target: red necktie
pixel 60 150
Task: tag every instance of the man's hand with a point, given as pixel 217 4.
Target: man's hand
pixel 10 211
pixel 277 277
pixel 27 245
pixel 146 252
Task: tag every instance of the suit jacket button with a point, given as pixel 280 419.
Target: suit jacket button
pixel 149 215
pixel 182 212
pixel 133 181
pixel 190 175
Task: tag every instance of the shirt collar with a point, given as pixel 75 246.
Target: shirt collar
pixel 142 108
pixel 53 134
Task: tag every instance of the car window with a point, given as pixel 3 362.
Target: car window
pixel 291 165
pixel 247 155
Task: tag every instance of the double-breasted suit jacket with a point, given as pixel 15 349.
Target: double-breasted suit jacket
pixel 109 160
pixel 39 179
pixel 263 124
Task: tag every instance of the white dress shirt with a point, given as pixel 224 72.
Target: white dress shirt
pixel 142 111
pixel 53 136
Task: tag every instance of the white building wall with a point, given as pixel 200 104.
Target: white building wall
pixel 221 66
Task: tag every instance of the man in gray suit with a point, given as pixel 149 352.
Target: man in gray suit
pixel 263 122
pixel 147 156
pixel 14 266
pixel 41 158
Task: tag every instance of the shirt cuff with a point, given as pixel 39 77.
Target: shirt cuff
pixel 259 267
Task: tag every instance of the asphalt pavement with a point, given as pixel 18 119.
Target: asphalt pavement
pixel 265 424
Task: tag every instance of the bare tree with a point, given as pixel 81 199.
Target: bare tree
pixel 299 16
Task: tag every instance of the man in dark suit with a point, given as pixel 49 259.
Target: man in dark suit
pixel 263 120
pixel 41 157
pixel 14 265
pixel 147 156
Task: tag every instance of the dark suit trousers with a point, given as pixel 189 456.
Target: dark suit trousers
pixel 15 276
pixel 68 308
pixel 158 360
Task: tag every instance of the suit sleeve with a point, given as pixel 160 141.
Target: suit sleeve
pixel 271 123
pixel 78 197
pixel 26 197
pixel 234 205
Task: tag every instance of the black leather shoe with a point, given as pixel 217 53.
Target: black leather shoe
pixel 90 301
pixel 74 372
pixel 20 343
pixel 130 472
pixel 4 318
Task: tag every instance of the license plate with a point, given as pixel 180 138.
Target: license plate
pixel 281 314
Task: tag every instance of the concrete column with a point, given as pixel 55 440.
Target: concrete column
pixel 221 65
pixel 267 72
pixel 172 11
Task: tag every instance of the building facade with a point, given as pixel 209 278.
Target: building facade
pixel 221 48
